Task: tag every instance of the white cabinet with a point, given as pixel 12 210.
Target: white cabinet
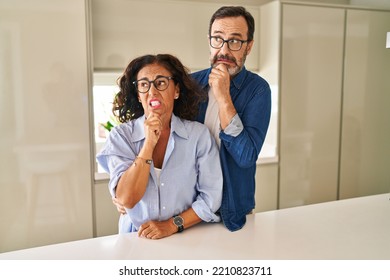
pixel 310 89
pixel 334 90
pixel 106 214
pixel 266 187
pixel 125 29
pixel 45 174
pixel 365 145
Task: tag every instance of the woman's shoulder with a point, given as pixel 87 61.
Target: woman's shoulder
pixel 127 130
pixel 122 127
pixel 197 131
pixel 189 129
pixel 195 126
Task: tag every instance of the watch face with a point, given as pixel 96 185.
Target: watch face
pixel 178 221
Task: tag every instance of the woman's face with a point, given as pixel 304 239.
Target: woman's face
pixel 154 100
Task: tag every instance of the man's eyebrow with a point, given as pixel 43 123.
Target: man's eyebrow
pixel 217 32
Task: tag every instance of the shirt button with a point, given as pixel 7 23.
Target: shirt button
pixel 162 184
pixel 163 207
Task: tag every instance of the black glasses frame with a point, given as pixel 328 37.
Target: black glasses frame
pixel 135 83
pixel 227 41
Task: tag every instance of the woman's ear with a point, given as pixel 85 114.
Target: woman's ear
pixel 177 92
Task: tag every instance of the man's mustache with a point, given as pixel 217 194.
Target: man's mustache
pixel 224 57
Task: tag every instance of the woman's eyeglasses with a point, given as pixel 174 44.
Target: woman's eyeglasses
pixel 160 83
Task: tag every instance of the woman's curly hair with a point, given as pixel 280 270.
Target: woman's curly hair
pixel 126 105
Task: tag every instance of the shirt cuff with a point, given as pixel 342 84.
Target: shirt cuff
pixel 235 126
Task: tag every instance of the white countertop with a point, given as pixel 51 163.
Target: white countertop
pixel 353 229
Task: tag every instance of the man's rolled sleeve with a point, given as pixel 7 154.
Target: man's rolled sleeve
pixel 235 126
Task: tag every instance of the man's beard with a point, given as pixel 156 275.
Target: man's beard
pixel 233 71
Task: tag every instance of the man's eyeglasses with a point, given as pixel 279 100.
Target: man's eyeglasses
pixel 233 44
pixel 160 83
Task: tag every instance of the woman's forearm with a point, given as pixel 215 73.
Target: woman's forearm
pixel 190 218
pixel 132 184
pixel 161 229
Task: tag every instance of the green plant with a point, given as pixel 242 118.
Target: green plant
pixel 110 124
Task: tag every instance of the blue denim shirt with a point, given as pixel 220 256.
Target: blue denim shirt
pixel 191 174
pixel 251 96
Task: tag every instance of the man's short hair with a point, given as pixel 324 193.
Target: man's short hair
pixel 235 11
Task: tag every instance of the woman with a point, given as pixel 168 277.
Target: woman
pixel 164 167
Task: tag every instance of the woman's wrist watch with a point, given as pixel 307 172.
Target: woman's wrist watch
pixel 178 221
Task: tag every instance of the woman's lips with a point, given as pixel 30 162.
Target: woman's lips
pixel 154 103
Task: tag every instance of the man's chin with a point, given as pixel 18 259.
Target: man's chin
pixel 233 71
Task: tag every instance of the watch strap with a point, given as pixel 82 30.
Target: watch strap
pixel 180 226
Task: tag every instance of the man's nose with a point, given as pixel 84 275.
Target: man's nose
pixel 225 48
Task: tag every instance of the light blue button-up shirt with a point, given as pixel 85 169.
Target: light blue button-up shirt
pixel 191 173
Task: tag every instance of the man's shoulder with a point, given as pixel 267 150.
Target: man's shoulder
pixel 255 83
pixel 200 74
pixel 256 78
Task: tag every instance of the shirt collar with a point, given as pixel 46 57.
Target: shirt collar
pixel 178 127
pixel 238 80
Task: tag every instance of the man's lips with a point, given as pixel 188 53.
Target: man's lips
pixel 226 61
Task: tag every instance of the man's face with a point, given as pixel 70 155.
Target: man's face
pixel 227 29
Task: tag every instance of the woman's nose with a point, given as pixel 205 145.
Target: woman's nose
pixel 152 90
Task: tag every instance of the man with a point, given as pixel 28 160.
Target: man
pixel 237 111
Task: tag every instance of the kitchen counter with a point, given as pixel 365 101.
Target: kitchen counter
pixel 350 229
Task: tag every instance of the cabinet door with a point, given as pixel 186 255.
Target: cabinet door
pixel 266 187
pixel 123 30
pixel 45 174
pixel 311 80
pixel 365 149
